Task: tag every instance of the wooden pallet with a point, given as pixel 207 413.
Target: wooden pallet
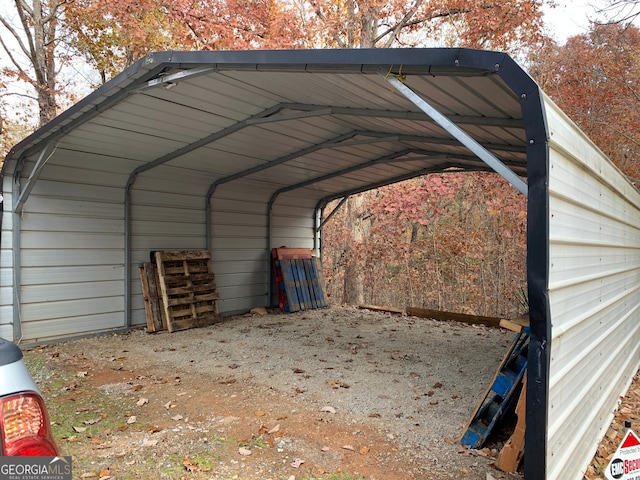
pixel 188 289
pixel 299 278
pixel 499 396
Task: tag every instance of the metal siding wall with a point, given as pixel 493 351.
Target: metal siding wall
pixel 72 253
pixel 293 220
pixel 240 257
pixel 6 264
pixel 594 291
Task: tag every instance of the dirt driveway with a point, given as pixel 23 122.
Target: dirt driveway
pixel 338 393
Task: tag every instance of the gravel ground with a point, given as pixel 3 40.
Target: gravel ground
pixel 338 391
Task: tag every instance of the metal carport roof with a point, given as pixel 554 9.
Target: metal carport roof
pixel 316 125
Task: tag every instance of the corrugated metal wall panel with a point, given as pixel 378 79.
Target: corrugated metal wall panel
pixel 293 220
pixel 594 292
pixel 72 252
pixel 82 324
pixel 6 263
pixel 239 244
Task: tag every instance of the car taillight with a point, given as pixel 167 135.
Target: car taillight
pixel 25 428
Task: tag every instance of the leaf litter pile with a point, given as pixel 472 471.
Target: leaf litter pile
pixel 334 394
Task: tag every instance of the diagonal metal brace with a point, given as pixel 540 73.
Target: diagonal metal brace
pixel 25 190
pixel 460 135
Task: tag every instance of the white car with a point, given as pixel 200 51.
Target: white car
pixel 24 422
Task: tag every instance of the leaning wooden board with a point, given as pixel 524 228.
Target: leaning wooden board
pixel 188 288
pixel 156 319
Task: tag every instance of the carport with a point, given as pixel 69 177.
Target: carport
pixel 238 152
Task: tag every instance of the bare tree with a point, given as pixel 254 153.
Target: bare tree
pixel 620 11
pixel 31 49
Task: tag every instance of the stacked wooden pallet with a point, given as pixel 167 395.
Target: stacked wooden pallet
pixel 299 278
pixel 179 290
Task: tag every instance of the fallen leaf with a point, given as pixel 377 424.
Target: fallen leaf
pixel 437 385
pixel 244 451
pixel 142 401
pixel 104 472
pixel 298 370
pixel 69 386
pixel 135 388
pixel 132 419
pixel 154 429
pixel 465 471
pixel 364 450
pixel 328 409
pixel 260 413
pixel 149 443
pixel 82 374
pixel 79 429
pixel 177 417
pixel 297 462
pixel 89 475
pixel 274 429
pixel 92 422
pixel 189 465
pixel 349 447
pixel 325 449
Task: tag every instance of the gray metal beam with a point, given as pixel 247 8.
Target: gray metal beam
pixel 319 110
pixel 263 166
pixel 25 190
pixel 459 134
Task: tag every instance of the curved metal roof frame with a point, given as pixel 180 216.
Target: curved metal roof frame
pixel 383 114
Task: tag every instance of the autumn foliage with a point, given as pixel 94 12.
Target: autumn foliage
pixel 595 79
pixel 454 241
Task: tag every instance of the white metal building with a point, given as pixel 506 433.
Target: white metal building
pixel 238 152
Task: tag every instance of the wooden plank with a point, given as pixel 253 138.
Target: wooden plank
pixel 305 264
pixel 188 300
pixel 458 317
pixel 321 280
pixel 511 454
pixel 314 280
pixel 301 284
pixel 291 253
pixel 380 308
pixel 156 321
pixel 288 278
pixel 181 255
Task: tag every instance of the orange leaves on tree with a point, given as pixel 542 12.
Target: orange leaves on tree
pixel 595 79
pixel 501 24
